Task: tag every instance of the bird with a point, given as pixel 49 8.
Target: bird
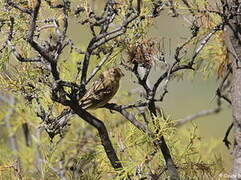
pixel 103 89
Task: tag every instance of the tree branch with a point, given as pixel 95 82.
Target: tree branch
pixel 197 115
pixel 16 6
pixel 105 140
pixel 225 139
pixel 98 67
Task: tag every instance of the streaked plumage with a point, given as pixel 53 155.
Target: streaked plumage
pixel 102 90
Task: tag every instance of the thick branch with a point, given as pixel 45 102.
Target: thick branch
pixel 105 140
pixel 159 142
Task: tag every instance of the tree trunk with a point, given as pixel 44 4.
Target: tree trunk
pixel 233 43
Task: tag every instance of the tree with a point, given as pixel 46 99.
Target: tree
pixel 53 71
pixel 231 19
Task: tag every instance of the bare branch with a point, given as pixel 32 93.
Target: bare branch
pixel 34 16
pixel 171 168
pixel 134 105
pixel 180 48
pixel 105 140
pixel 205 41
pixel 221 87
pixel 225 139
pixel 160 142
pixel 21 58
pixel 173 9
pixel 98 67
pixel 15 52
pixel 157 7
pixel 99 40
pixel 142 81
pixel 128 116
pixel 16 6
pixel 78 50
pixel 188 6
pixel 165 74
pixel 197 115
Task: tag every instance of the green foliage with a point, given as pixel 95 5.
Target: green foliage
pixel 212 59
pixel 80 151
pixel 81 147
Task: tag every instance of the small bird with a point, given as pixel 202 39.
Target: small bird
pixel 102 90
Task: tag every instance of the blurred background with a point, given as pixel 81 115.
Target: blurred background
pixel 185 97
pixel 194 93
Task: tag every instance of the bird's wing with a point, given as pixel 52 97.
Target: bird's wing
pixel 96 94
pixel 94 87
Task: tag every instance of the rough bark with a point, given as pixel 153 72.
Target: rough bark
pixel 233 43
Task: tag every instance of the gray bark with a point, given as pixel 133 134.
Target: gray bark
pixel 232 40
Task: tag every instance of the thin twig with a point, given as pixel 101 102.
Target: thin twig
pixel 128 116
pixel 205 41
pixel 98 67
pixel 221 87
pixel 16 6
pixel 225 139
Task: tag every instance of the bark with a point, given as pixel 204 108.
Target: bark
pixel 171 168
pixel 232 40
pixel 103 133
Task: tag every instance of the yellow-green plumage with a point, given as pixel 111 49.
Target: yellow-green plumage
pixel 102 90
